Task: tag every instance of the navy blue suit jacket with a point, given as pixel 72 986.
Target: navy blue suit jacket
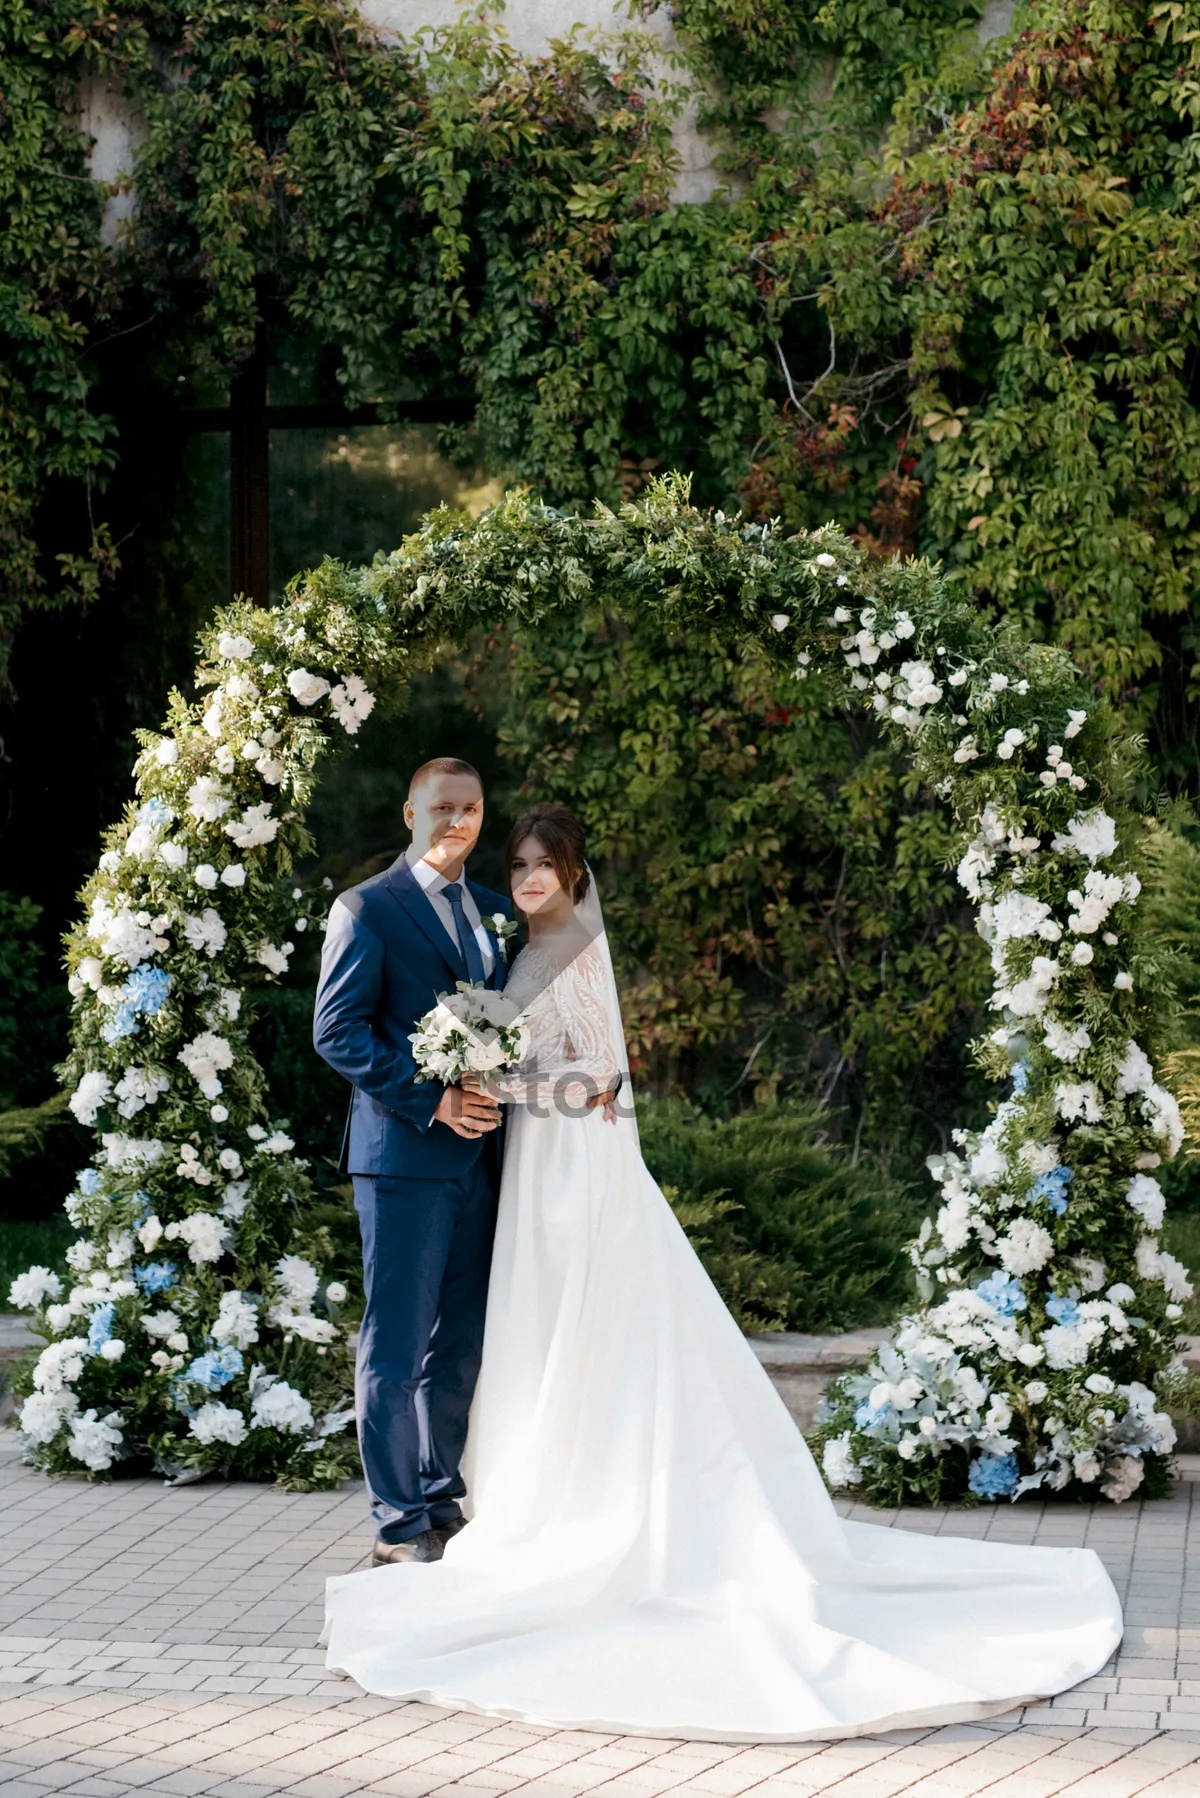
pixel 386 958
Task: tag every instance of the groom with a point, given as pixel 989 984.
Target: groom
pixel 423 1158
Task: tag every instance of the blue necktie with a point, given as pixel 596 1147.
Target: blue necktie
pixel 467 940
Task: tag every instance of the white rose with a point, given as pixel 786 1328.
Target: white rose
pixel 306 688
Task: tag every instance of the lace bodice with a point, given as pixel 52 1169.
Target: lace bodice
pixel 571 1054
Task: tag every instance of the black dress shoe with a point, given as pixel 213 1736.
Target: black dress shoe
pixel 444 1531
pixel 425 1547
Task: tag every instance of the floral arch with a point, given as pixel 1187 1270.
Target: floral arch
pixel 203 1330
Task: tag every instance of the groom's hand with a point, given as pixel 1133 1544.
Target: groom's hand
pixel 468 1114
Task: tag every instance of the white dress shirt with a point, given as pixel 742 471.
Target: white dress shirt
pixel 434 886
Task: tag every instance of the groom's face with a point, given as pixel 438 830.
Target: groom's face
pixel 445 814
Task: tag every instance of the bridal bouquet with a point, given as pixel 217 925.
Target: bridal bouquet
pixel 470 1031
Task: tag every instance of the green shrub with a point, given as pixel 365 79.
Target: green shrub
pixel 794 1235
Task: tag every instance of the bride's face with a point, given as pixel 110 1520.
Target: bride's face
pixel 536 888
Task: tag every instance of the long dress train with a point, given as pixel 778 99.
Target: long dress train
pixel 652 1549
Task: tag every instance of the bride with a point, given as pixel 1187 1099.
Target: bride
pixel 651 1549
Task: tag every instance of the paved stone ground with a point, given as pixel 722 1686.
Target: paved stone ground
pixel 165 1641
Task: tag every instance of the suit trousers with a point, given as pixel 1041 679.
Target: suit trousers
pixel 427 1251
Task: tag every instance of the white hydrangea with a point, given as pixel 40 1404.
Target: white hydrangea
pixel 275 1405
pixel 123 1151
pixel 1145 1196
pixel 1064 1044
pixel 1090 834
pixel 838 1463
pixel 1078 1101
pixel 93 1091
pixel 215 1422
pixel 1100 892
pixel 236 1320
pixel 208 800
pixel 139 1087
pixel 1135 1074
pixel 353 702
pixel 1024 1247
pixel 205 1235
pixel 94 1440
pixel 255 826
pixel 1027 999
pixel 1018 915
pixel 30 1290
pixel 207 933
pixel 43 1414
pixel 206 1057
pixel 158 1325
pixel 123 935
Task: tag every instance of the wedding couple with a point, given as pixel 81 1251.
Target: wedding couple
pixel 651 1549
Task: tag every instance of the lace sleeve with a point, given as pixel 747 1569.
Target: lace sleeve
pixel 572 1056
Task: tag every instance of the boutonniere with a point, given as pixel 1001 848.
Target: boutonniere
pixel 502 929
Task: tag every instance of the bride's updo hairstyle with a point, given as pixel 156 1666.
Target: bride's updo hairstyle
pixel 561 836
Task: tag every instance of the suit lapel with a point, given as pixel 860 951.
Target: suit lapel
pixel 408 892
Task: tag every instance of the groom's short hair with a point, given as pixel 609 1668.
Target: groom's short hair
pixel 442 764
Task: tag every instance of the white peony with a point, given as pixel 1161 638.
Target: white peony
pixel 158 1325
pixel 298 1279
pixel 1091 834
pixel 173 856
pixel 206 1057
pixel 207 933
pixel 30 1290
pixel 234 875
pixel 215 1422
pixel 305 687
pixel 92 1092
pixel 1024 1247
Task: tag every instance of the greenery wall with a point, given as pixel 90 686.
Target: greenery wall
pixel 948 298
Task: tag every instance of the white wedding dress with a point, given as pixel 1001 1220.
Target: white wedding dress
pixel 651 1548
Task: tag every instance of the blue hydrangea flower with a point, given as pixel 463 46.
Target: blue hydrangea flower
pixel 1053 1188
pixel 1002 1293
pixel 88 1181
pixel 866 1416
pixel 143 995
pixel 994 1476
pixel 155 811
pixel 1020 1078
pixel 215 1368
pixel 100 1328
pixel 1063 1311
pixel 182 1399
pixel 156 1276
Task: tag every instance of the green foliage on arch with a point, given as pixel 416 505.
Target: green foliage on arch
pixel 196 1214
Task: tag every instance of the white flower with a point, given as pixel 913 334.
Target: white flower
pixel 137 1088
pixel 1090 834
pixel 173 855
pixel 1174 1276
pixel 997 682
pixel 234 649
pixel 234 875
pixel 1024 1247
pixel 1028 998
pixel 80 1255
pixel 1030 1353
pixel 1064 1044
pixel 1099 894
pixel 298 1278
pixel 208 800
pixel 178 1342
pixel 278 1143
pixel 43 1414
pixel 166 752
pixel 779 622
pixel 278 1406
pixel 215 1422
pixel 1122 1478
pixel 1038 1157
pixel 205 876
pixel 922 685
pixel 1145 1196
pixel 207 933
pixel 131 1151
pixel 158 1325
pixel 233 1205
pixel 205 1235
pixel 91 972
pixel 1066 1346
pixel 60 1364
pixel 1081 1100
pixel 92 1092
pixel 94 1440
pixel 1100 1383
pixel 191 1167
pixel 838 1463
pixel 1082 954
pixel 1018 914
pixel 353 702
pixel 255 826
pixel 1036 1391
pixel 1162 1113
pixel 30 1290
pixel 1123 981
pixel 120 1248
pixel 272 958
pixel 205 1058
pixel 1076 724
pixel 305 687
pixel 123 936
pixel 236 1321
pixel 1135 1074
pixel 335 1292
pixel 112 1350
pixel 968 749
